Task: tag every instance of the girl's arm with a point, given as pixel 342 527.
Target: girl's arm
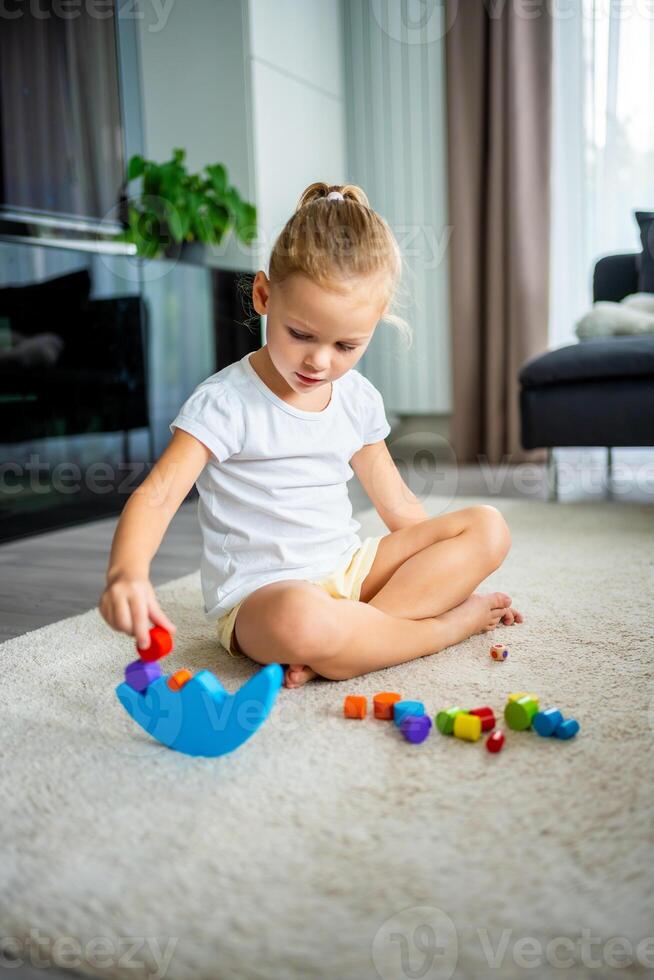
pixel 128 602
pixel 395 503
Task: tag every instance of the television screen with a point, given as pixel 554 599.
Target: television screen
pixel 61 147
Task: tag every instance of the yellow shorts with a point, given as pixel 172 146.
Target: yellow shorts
pixel 343 583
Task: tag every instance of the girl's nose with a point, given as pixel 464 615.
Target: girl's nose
pixel 319 366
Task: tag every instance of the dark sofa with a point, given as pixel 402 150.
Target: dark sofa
pixel 596 392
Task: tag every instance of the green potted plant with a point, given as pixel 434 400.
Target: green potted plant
pixel 174 207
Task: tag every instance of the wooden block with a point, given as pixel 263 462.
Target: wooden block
pixel 403 708
pixel 487 716
pixel 545 722
pixel 499 652
pixel 495 741
pixel 355 706
pixel 567 728
pixel 445 719
pixel 415 728
pixel 467 727
pixel 177 680
pixel 140 675
pixel 518 714
pixel 161 643
pixel 522 694
pixel 383 704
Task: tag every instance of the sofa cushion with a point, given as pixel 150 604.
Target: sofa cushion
pixel 609 357
pixel 645 221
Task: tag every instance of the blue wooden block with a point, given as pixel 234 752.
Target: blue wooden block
pixel 202 718
pixel 403 708
pixel 416 728
pixel 140 674
pixel 545 722
pixel 567 728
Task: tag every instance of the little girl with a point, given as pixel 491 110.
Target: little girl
pixel 271 442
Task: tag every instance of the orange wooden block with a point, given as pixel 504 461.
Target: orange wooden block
pixel 177 680
pixel 355 706
pixel 383 704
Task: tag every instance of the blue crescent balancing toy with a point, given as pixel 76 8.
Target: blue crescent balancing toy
pixel 195 715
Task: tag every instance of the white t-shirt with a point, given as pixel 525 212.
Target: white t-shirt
pixel 274 502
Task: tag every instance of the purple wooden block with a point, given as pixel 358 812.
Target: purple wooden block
pixel 416 728
pixel 140 674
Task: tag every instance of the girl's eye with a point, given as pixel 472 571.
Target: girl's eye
pixel 298 336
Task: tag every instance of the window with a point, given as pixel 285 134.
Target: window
pixel 602 145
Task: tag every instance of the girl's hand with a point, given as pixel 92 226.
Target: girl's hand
pixel 128 605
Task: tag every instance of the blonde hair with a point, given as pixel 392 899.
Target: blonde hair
pixel 333 241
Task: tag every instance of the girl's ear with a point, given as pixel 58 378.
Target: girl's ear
pixel 261 293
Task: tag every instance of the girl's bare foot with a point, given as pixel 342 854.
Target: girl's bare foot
pixel 295 675
pixel 480 613
pixel 512 617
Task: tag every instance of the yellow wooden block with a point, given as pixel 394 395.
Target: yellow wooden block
pixel 468 727
pixel 523 694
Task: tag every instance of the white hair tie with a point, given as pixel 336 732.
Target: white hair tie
pixel 335 196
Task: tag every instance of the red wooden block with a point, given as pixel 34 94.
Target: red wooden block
pixel 495 741
pixel 161 643
pixel 487 717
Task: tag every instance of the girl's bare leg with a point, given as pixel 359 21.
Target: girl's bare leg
pixel 445 573
pixel 436 579
pixel 362 638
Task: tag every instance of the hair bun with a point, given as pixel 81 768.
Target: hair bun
pixel 319 190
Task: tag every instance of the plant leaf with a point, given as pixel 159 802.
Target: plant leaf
pixel 135 167
pixel 217 178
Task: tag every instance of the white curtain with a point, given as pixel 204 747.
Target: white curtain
pixel 602 145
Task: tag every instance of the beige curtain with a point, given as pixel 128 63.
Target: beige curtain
pixel 498 111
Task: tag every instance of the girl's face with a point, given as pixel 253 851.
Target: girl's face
pixel 314 332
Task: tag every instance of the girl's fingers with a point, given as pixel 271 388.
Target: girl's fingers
pixel 141 624
pixel 122 617
pixel 158 616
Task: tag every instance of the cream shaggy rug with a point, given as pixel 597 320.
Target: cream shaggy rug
pixel 332 848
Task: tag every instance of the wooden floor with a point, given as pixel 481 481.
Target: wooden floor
pixel 51 576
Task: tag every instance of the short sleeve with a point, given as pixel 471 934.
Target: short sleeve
pixel 213 413
pixel 375 423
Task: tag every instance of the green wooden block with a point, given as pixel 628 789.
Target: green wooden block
pixel 518 714
pixel 445 719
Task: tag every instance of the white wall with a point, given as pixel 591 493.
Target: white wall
pixel 296 66
pixel 195 88
pixel 255 84
pixel 196 95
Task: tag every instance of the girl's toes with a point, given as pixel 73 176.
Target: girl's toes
pixel 512 617
pixel 291 675
pixel 501 600
pixel 298 674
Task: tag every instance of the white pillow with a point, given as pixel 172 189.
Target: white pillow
pixel 607 319
pixel 640 301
